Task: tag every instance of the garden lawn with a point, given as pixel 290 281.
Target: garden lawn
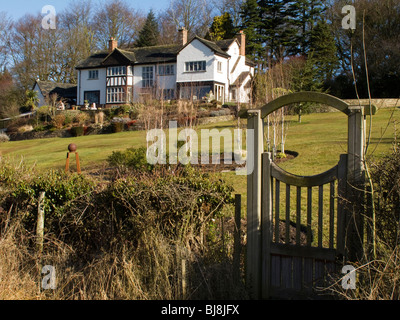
pixel 319 141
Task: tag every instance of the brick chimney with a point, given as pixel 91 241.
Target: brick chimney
pixel 112 44
pixel 241 36
pixel 183 36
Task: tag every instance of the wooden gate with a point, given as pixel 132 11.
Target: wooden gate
pixel 299 254
pixel 291 255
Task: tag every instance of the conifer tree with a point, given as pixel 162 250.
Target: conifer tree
pixel 221 28
pixel 278 33
pixel 323 47
pixel 251 23
pixel 149 35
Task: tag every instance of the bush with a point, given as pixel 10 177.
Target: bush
pixel 132 158
pixel 81 118
pixel 117 127
pixel 64 195
pixel 4 137
pixel 386 177
pixel 125 237
pixel 58 121
pixel 77 131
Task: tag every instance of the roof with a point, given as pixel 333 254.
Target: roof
pixel 156 54
pixel 148 55
pixel 219 47
pixel 94 61
pixel 64 90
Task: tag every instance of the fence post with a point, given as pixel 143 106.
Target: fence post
pixel 40 223
pixel 254 151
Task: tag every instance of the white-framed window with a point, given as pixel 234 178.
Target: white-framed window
pixel 166 70
pixel 93 74
pixel 116 95
pixel 116 71
pixel 147 77
pixel 195 66
pixel 219 66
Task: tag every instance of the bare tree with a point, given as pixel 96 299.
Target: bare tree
pixel 34 51
pixel 118 20
pixel 76 25
pixel 194 15
pixel 5 27
pixel 168 29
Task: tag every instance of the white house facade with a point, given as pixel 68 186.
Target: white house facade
pixel 197 69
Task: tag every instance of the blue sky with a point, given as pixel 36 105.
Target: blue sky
pixel 18 8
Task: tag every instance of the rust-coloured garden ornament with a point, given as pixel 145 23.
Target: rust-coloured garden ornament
pixel 72 149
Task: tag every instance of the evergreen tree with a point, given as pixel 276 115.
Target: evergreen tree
pixel 323 47
pixel 222 28
pixel 305 78
pixel 149 35
pixel 276 28
pixel 251 24
pixel 304 15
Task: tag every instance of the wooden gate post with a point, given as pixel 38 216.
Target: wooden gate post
pixel 266 224
pixel 254 151
pixel 355 184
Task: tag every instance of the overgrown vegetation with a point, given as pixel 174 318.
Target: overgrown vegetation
pixel 122 238
pixel 378 277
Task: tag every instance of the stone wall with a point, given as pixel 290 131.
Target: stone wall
pixel 379 103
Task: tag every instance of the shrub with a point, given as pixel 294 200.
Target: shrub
pixel 386 178
pixel 132 158
pixel 117 127
pixel 81 118
pixel 39 128
pixel 68 119
pixel 182 203
pixel 77 131
pixel 63 193
pixel 4 137
pixel 58 121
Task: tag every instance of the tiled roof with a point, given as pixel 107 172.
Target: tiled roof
pixel 147 55
pixel 94 61
pixel 65 90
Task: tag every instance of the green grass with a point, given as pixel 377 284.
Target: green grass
pixel 51 153
pixel 319 140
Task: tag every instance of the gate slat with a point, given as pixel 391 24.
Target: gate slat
pixel 277 202
pixel 287 240
pixel 320 214
pixel 298 215
pixel 286 272
pixel 297 273
pixel 309 215
pixel 332 215
pixel 275 271
pixel 308 273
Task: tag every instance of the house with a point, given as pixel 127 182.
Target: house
pixel 194 69
pixel 64 91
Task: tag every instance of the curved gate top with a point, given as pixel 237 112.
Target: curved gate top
pixel 277 267
pixel 305 96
